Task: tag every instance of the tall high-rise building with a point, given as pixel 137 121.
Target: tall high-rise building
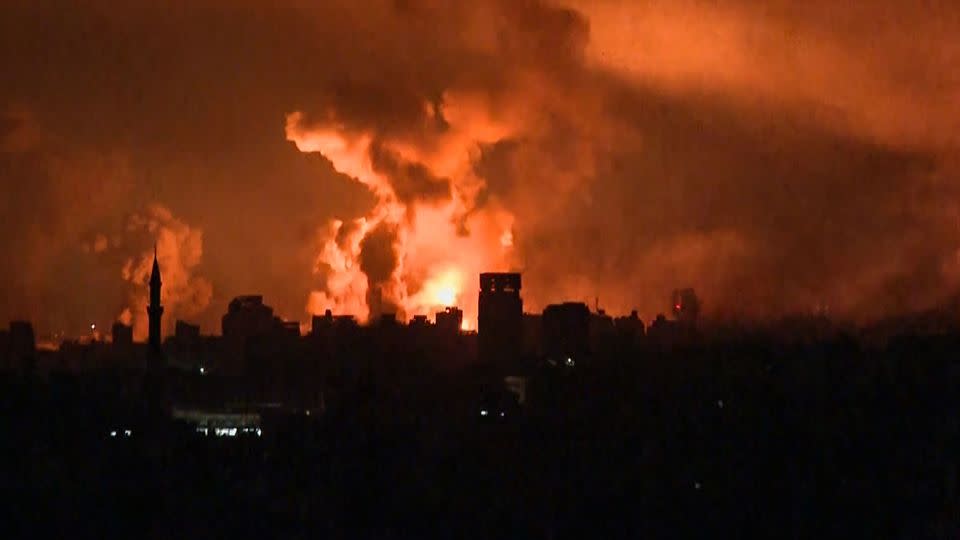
pixel 500 321
pixel 155 309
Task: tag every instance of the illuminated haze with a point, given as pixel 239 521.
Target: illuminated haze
pixel 776 157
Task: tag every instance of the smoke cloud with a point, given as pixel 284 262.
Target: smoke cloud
pixel 179 250
pixel 777 158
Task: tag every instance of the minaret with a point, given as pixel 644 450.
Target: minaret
pixel 155 310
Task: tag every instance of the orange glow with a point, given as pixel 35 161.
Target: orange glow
pixel 440 245
pixel 446 296
pixel 444 289
pixel 506 239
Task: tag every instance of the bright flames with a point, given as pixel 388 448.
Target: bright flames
pixel 439 244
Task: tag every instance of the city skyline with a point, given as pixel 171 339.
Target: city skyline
pixel 546 269
pixel 158 329
pixel 776 159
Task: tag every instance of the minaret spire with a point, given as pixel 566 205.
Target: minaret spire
pixel 155 309
pixel 154 380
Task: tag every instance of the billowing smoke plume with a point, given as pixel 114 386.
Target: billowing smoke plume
pixel 777 157
pixel 426 238
pixel 179 250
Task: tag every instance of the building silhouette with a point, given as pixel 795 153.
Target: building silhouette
pixel 122 335
pixel 566 333
pixel 155 309
pixel 5 351
pixel 322 325
pixel 601 327
pixel 629 328
pixel 22 346
pixel 186 333
pixel 500 320
pixel 449 320
pixel 246 317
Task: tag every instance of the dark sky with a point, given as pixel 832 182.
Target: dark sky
pixel 777 156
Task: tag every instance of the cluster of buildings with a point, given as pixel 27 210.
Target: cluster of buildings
pixel 505 336
pixel 261 359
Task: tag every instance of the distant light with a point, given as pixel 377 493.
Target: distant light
pixel 676 307
pixel 93 327
pixel 113 433
pixel 447 295
pixel 308 412
pixel 506 239
pixel 202 370
pixel 720 403
pixel 484 412
pixel 570 361
pixel 259 432
pixel 127 432
pixel 502 414
pixel 697 485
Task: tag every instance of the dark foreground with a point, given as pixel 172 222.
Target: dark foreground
pixel 744 440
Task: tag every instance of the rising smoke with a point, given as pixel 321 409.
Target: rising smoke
pixel 179 250
pixel 776 159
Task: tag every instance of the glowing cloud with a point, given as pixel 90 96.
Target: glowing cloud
pixel 179 250
pixel 426 216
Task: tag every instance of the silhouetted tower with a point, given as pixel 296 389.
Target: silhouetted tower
pixel 500 321
pixel 154 381
pixel 155 310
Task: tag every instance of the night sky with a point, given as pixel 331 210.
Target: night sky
pixel 777 156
